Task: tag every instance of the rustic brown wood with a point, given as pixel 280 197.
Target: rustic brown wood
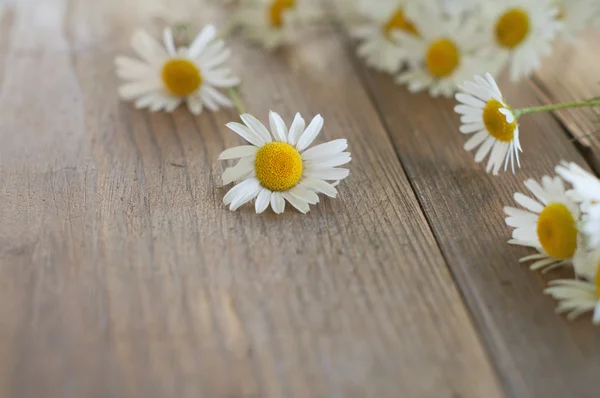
pixel 123 275
pixel 574 76
pixel 537 353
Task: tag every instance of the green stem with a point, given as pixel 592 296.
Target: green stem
pixel 553 107
pixel 237 101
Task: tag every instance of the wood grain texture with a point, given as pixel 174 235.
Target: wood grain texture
pixel 123 275
pixel 537 353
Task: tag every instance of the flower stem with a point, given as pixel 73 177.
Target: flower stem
pixel 237 101
pixel 553 107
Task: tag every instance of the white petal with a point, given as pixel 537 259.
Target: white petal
pixel 238 190
pixel 484 149
pixel 246 134
pixel 475 140
pixel 469 100
pixel 277 202
pixel 325 150
pixel 336 160
pixel 243 169
pixel 208 34
pixel 132 90
pixel 471 127
pixel 278 127
pixel 306 195
pixel 262 201
pixel 147 47
pixel 256 126
pixel 296 129
pixel 319 186
pixel 194 105
pixel 216 96
pixel 297 202
pixel 238 152
pixel 528 203
pixel 246 197
pixel 169 42
pixel 311 132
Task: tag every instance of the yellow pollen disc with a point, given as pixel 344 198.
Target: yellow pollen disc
pixel 442 58
pixel 278 166
pixel 277 9
pixel 512 28
pixel 399 22
pixel 181 77
pixel 557 231
pixel 495 122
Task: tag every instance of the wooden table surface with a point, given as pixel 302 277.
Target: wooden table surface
pixel 123 275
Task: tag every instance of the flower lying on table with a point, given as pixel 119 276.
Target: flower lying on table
pixel 563 227
pixel 485 112
pixel 166 76
pixel 548 224
pixel 278 166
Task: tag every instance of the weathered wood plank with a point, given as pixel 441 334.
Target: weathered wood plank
pixel 123 275
pixel 537 353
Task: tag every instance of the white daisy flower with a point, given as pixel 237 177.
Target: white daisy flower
pixel 444 54
pixel 378 47
pixel 272 23
pixel 586 190
pixel 575 15
pixel 522 31
pixel 548 223
pixel 278 166
pixel 491 121
pixel 166 76
pixel 577 297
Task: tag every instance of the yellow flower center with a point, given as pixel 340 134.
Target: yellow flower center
pixel 557 231
pixel 278 166
pixel 181 77
pixel 495 122
pixel 399 22
pixel 277 9
pixel 512 28
pixel 442 58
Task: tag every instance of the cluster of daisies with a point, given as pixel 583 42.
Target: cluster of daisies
pixel 563 226
pixel 431 44
pixel 436 44
pixel 278 166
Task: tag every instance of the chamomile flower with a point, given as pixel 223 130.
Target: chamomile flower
pixel 577 296
pixel 278 166
pixel 586 190
pixel 271 23
pixel 378 47
pixel 575 15
pixel 490 121
pixel 166 76
pixel 521 31
pixel 442 55
pixel 548 223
